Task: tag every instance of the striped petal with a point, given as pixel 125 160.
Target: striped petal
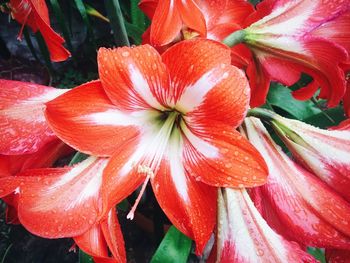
pixel 245 237
pixel 223 158
pixel 190 205
pixel 284 33
pixel 63 201
pixel 102 238
pixel 93 125
pixel 206 87
pixel 326 153
pixel 133 78
pixel 23 128
pixel 309 211
pixel 166 23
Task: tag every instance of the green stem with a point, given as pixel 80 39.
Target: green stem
pixel 263 114
pixel 234 38
pixel 117 22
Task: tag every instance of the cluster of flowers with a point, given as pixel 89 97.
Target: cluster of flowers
pixel 167 112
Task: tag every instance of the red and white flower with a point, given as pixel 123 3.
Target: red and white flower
pixel 326 153
pixel 296 203
pixel 291 37
pixel 245 237
pixel 173 20
pixel 170 119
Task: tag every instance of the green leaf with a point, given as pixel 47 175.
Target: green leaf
pixel 134 32
pixel 78 157
pixel 84 258
pixel 317 253
pixel 330 117
pixel 62 22
pixel 174 248
pixel 44 51
pixel 117 22
pixel 83 12
pixel 280 96
pixel 29 43
pixel 137 17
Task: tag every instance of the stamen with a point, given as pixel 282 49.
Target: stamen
pixel 151 163
pixel 150 175
pixel 19 37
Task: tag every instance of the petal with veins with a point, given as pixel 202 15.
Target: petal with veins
pixel 309 210
pixel 245 237
pixel 93 125
pixel 23 127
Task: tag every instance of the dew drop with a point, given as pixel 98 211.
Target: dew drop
pixel 125 53
pixel 260 252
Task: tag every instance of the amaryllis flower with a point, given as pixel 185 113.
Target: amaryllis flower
pixel 34 13
pixel 169 119
pixel 326 153
pixel 175 20
pixel 287 38
pixel 295 202
pixel 245 237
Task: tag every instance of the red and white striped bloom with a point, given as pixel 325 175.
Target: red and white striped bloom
pixel 291 37
pixel 169 119
pixel 245 237
pixel 326 153
pixel 295 202
pixel 173 20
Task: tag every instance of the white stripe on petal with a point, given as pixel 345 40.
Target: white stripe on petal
pixel 194 94
pixel 176 165
pixel 141 86
pixel 200 145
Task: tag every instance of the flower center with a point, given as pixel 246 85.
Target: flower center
pixel 167 123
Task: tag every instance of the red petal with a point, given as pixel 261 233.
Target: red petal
pixel 259 82
pixel 203 79
pixel 63 201
pixel 148 7
pixel 93 125
pixel 224 158
pixel 92 242
pixel 189 60
pixel 191 16
pixel 190 205
pixel 23 127
pixel 336 30
pixel 346 99
pixel 245 237
pixel 325 153
pixel 113 235
pixel 45 157
pixel 310 212
pixel 41 8
pixel 337 256
pixel 133 78
pixel 53 40
pixel 166 23
pixel 120 177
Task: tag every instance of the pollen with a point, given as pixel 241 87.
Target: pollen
pixel 146 170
